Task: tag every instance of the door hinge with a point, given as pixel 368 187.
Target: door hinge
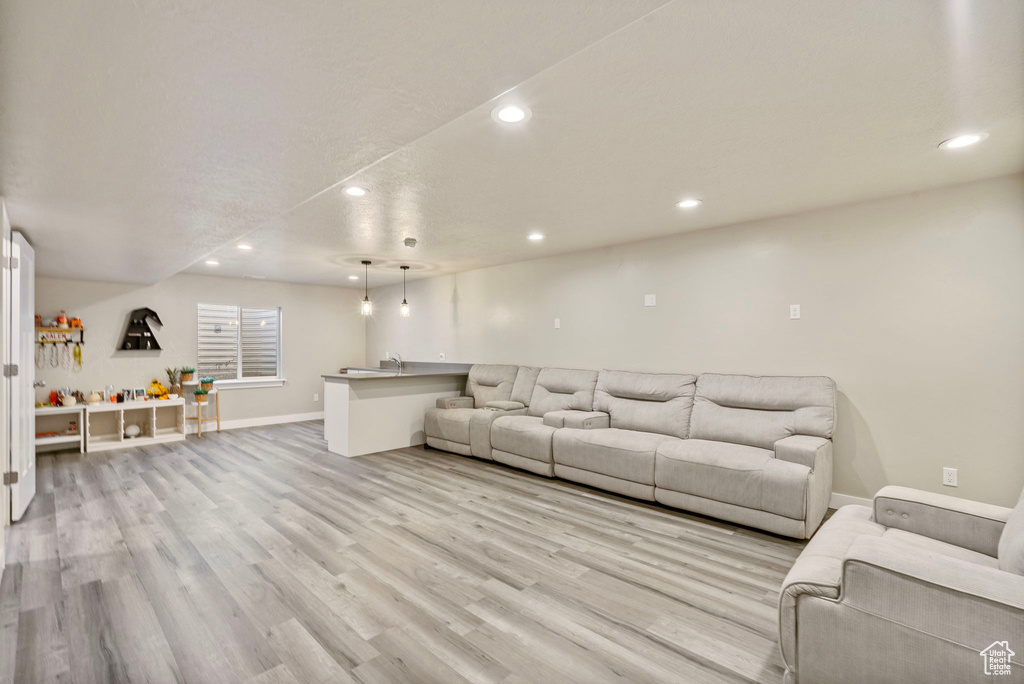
pixel 11 262
pixel 10 370
pixel 11 477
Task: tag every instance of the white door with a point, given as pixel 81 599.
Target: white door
pixel 22 397
pixel 5 348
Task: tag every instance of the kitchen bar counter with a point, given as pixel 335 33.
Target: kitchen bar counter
pixel 367 410
pixel 372 374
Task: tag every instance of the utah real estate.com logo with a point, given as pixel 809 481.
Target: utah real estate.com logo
pixel 997 658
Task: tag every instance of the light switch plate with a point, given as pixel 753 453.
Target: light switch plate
pixel 558 323
pixel 794 311
pixel 650 300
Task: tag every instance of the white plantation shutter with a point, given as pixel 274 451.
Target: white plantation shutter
pixel 225 330
pixel 259 343
pixel 218 341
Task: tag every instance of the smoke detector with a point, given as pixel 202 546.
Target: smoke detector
pixel 410 242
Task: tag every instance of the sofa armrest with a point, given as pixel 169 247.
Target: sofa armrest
pixel 954 599
pixel 454 402
pixel 817 573
pixel 804 449
pixel 505 405
pixel 584 420
pixel 969 524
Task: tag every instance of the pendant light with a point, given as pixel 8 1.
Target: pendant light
pixel 367 307
pixel 405 304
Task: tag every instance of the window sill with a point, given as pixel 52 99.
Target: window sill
pixel 249 383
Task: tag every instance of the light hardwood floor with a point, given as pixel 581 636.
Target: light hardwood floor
pixel 256 556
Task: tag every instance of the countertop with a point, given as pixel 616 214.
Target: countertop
pixel 374 374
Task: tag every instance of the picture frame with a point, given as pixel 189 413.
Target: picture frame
pixel 140 394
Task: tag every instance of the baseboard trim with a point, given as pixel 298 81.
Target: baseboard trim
pixel 209 426
pixel 839 500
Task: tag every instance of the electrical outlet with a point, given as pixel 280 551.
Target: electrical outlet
pixel 794 312
pixel 650 300
pixel 558 323
pixel 949 477
pixel 316 397
pixel 440 357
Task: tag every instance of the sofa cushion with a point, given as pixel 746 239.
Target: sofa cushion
pixel 558 389
pixel 733 473
pixel 522 388
pixel 649 402
pixel 1011 541
pixel 448 424
pixel 759 411
pixel 490 382
pixel 625 454
pixel 525 436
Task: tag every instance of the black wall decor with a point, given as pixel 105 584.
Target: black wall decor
pixel 138 334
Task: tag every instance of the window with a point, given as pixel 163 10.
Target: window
pixel 238 343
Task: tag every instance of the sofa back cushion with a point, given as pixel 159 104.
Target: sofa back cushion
pixel 526 379
pixel 1011 542
pixel 649 402
pixel 560 389
pixel 759 411
pixel 490 382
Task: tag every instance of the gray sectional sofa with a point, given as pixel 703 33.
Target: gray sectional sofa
pixel 752 450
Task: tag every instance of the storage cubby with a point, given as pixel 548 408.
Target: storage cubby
pixel 141 416
pixel 168 420
pixel 104 427
pixel 159 420
pixel 59 419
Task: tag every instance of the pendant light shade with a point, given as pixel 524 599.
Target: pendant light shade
pixel 367 306
pixel 405 304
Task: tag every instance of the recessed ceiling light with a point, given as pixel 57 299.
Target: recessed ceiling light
pixel 245 247
pixel 689 203
pixel 353 277
pixel 212 262
pixel 536 237
pixel 355 191
pixel 962 141
pixel 511 114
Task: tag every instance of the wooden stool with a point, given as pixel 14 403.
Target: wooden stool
pixel 212 397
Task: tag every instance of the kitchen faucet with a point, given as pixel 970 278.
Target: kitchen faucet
pixel 397 358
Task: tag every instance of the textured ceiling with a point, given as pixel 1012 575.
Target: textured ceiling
pixel 138 142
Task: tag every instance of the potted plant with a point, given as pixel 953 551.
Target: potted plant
pixel 206 383
pixel 187 373
pixel 174 380
pixel 200 394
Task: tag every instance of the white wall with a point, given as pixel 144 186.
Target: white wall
pixel 914 304
pixel 322 332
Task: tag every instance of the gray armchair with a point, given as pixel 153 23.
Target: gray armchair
pixel 915 589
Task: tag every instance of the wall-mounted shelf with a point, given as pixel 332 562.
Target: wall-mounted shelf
pixel 60 335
